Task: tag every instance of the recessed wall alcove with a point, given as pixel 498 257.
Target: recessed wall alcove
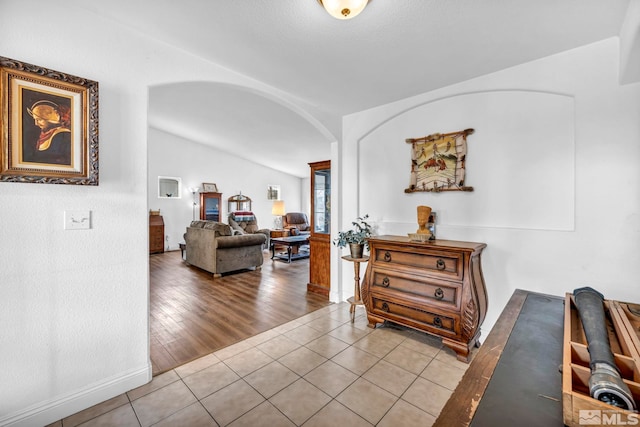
pixel 520 162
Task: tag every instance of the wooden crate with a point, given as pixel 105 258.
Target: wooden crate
pixel 624 337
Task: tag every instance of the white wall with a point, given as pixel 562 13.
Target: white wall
pixel 196 163
pixel 74 304
pixel 563 139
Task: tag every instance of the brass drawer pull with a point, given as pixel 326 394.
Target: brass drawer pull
pixel 439 293
pixel 385 282
pixel 385 307
pixel 387 256
pixel 440 265
pixel 437 322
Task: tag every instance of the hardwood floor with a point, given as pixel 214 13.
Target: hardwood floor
pixel 192 315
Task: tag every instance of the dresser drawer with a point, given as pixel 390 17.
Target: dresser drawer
pixel 156 239
pixel 416 317
pixel 438 263
pixel 438 292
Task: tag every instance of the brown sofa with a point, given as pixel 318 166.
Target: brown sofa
pixel 214 247
pixel 297 220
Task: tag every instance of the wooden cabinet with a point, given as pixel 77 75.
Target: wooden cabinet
pixel 320 237
pixel 436 287
pixel 211 206
pixel 156 234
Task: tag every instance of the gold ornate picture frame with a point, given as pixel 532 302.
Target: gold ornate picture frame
pixel 49 125
pixel 438 162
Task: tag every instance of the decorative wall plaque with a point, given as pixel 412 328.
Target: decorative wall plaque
pixel 438 162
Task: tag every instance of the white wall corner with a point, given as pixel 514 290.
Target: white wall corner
pixel 630 45
pixel 47 412
pixel 336 288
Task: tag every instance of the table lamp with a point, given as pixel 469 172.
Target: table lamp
pixel 278 210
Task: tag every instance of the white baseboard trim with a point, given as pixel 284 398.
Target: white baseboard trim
pixel 336 297
pixel 47 412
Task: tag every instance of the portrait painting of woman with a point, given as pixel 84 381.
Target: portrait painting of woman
pixel 48 125
pixel 51 122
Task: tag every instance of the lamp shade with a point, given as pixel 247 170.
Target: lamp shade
pixel 278 208
pixel 344 9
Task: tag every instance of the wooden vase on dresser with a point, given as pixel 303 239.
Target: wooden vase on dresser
pixel 436 287
pixel 156 233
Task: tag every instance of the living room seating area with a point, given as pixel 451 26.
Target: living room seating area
pixel 298 220
pixel 222 248
pixel 215 247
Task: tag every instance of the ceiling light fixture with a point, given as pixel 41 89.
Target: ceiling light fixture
pixel 344 9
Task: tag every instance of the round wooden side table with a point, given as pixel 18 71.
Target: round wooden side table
pixel 355 299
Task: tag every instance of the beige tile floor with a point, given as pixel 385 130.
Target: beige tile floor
pixel 318 370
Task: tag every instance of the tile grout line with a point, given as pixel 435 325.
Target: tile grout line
pixel 359 376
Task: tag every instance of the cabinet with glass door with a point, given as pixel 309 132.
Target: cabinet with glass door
pixel 211 206
pixel 320 238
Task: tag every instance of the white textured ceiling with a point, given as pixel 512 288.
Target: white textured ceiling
pixel 393 50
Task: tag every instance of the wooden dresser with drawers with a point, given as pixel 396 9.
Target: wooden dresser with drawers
pixel 436 287
pixel 156 233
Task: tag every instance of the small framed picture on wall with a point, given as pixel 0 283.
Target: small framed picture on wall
pixel 273 192
pixel 209 188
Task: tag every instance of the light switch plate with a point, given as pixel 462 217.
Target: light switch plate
pixel 77 220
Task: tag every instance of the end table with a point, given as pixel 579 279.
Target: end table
pixel 355 299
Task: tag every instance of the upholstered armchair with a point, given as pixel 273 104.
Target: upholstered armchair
pixel 297 220
pixel 245 222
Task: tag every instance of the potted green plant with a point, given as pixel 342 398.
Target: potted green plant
pixel 356 238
